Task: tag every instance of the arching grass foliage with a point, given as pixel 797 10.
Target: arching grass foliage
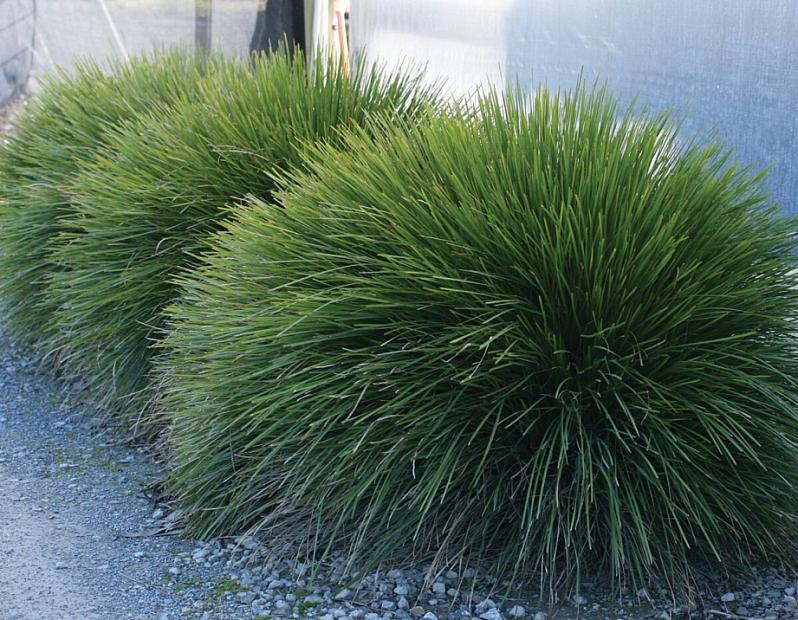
pixel 148 201
pixel 557 340
pixel 63 126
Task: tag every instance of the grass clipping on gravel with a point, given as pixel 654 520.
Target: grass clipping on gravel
pixel 147 203
pixel 60 130
pixel 556 341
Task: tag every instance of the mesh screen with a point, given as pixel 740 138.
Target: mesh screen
pixel 730 66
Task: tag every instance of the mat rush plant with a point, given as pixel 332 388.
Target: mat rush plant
pixel 556 343
pixel 62 127
pixel 147 203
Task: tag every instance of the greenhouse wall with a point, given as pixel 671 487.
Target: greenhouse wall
pixel 727 66
pixel 61 32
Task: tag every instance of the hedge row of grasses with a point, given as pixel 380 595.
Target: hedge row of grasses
pixel 57 137
pixel 544 335
pixel 179 138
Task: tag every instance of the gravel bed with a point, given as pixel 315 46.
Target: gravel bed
pixel 76 523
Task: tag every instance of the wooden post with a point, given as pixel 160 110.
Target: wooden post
pixel 343 41
pixel 203 20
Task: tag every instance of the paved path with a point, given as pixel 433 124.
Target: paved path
pixel 70 498
pixel 36 549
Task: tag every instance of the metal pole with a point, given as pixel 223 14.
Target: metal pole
pixel 202 30
pixel 114 30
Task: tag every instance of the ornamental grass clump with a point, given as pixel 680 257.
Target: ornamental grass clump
pixel 62 127
pixel 556 341
pixel 148 201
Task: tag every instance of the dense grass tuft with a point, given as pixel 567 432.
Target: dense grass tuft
pixel 148 201
pixel 557 340
pixel 61 129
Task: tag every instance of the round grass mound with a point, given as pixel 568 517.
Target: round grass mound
pixel 61 128
pixel 148 201
pixel 556 341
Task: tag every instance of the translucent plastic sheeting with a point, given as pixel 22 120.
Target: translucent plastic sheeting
pixel 233 25
pixel 67 30
pixel 729 66
pixel 16 39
